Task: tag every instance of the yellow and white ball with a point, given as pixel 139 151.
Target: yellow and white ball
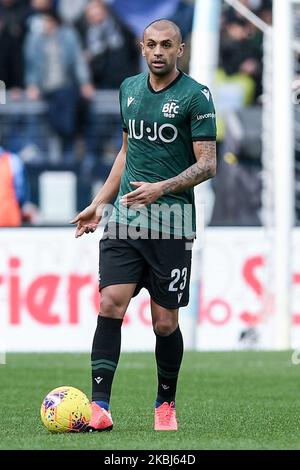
pixel 66 409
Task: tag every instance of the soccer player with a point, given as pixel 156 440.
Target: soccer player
pixel 169 146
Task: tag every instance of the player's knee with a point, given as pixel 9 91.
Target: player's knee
pixel 164 327
pixel 111 307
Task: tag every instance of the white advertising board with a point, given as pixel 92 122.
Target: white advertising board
pixel 49 296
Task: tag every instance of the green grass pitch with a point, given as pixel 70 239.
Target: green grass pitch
pixel 235 400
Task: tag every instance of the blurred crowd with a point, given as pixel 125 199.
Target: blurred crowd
pixel 62 53
pixel 238 94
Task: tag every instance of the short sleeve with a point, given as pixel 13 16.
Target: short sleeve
pixel 203 116
pixel 124 126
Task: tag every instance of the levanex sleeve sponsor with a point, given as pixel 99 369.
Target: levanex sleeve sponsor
pixel 203 116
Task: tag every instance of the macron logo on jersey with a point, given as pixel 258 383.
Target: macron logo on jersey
pixel 206 93
pixel 130 99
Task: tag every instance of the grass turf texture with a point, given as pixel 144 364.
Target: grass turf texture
pixel 235 400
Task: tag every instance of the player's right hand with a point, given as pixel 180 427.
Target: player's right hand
pixel 87 220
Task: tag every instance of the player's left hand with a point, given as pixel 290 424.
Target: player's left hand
pixel 146 193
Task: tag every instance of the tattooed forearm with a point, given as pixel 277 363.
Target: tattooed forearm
pixel 204 169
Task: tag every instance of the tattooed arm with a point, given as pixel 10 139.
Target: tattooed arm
pixel 202 170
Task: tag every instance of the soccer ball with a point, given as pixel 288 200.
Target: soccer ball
pixel 66 409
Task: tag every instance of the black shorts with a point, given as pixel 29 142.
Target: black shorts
pixel 162 266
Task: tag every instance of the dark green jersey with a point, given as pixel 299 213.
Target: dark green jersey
pixel 161 128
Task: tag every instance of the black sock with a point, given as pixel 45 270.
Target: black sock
pixel 105 356
pixel 168 353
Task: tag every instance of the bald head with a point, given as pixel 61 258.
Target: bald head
pixel 162 25
pixel 162 46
